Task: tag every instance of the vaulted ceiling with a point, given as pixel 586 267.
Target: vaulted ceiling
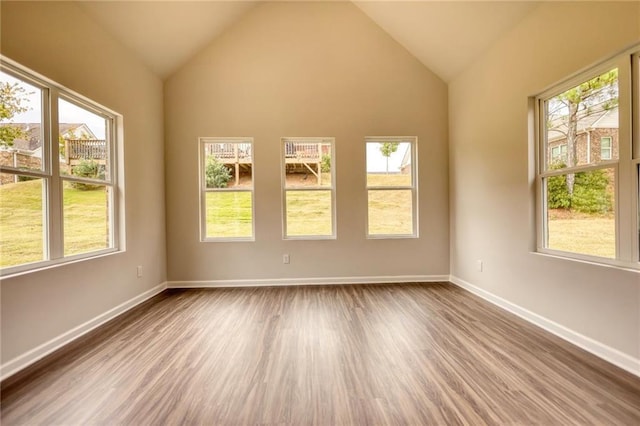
pixel 446 36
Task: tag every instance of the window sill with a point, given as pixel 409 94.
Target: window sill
pixel 45 265
pixel 594 261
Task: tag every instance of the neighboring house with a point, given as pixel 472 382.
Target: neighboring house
pixel 79 143
pixel 405 165
pixel 596 139
pixel 33 134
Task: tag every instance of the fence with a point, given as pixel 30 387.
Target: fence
pixel 76 150
pixel 17 160
pixel 237 152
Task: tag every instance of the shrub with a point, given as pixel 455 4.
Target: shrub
pixel 558 194
pixel 217 175
pixel 590 194
pixel 325 163
pixel 88 169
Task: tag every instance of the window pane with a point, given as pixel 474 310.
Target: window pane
pixel 308 213
pixel 307 163
pixel 580 213
pixel 579 119
pixel 84 149
pixel 21 132
pixel 86 218
pixel 21 213
pixel 389 163
pixel 228 165
pixel 605 148
pixel 390 212
pixel 229 214
pixel 228 186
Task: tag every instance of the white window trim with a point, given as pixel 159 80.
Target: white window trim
pixel 609 149
pixel 561 155
pixel 635 154
pixel 626 198
pixel 332 188
pixel 53 214
pixel 202 141
pixel 413 140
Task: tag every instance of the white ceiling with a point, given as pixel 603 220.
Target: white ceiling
pixel 446 36
pixel 165 34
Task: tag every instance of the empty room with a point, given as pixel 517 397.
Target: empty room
pixel 320 212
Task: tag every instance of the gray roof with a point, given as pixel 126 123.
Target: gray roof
pixel 603 119
pixel 33 131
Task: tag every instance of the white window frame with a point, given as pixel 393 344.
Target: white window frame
pixel 202 142
pixel 413 141
pixel 609 149
pixel 52 179
pixel 285 189
pixel 625 167
pixel 562 156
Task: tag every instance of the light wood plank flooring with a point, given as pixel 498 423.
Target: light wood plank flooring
pixel 328 355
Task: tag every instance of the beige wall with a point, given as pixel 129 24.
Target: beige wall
pixel 491 187
pixel 59 41
pixel 305 69
pixel 324 69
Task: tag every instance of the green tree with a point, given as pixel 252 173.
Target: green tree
pixel 12 102
pixel 590 193
pixel 568 108
pixel 325 166
pixel 88 169
pixel 388 148
pixel 217 175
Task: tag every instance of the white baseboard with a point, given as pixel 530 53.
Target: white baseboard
pixel 10 368
pixel 598 349
pixel 308 281
pixel 607 353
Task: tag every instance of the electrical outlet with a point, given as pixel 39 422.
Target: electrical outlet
pixel 479 265
pixel 139 270
pixel 286 259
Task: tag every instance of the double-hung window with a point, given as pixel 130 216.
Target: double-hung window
pixel 58 176
pixel 588 199
pixel 226 189
pixel 391 187
pixel 308 185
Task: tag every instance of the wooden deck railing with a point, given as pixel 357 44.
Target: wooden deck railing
pixel 85 149
pixel 306 152
pixel 230 152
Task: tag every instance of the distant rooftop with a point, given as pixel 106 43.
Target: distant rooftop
pixel 603 119
pixel 33 131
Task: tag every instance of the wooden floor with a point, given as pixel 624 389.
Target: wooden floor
pixel 330 355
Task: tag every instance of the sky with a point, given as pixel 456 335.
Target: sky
pixel 377 163
pixel 67 112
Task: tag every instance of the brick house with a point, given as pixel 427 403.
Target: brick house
pixel 26 152
pixel 597 139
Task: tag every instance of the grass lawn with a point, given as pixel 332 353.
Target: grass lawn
pixel 582 233
pixel 380 179
pixel 308 213
pixel 86 222
pixel 390 212
pixel 229 214
pixel 21 222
